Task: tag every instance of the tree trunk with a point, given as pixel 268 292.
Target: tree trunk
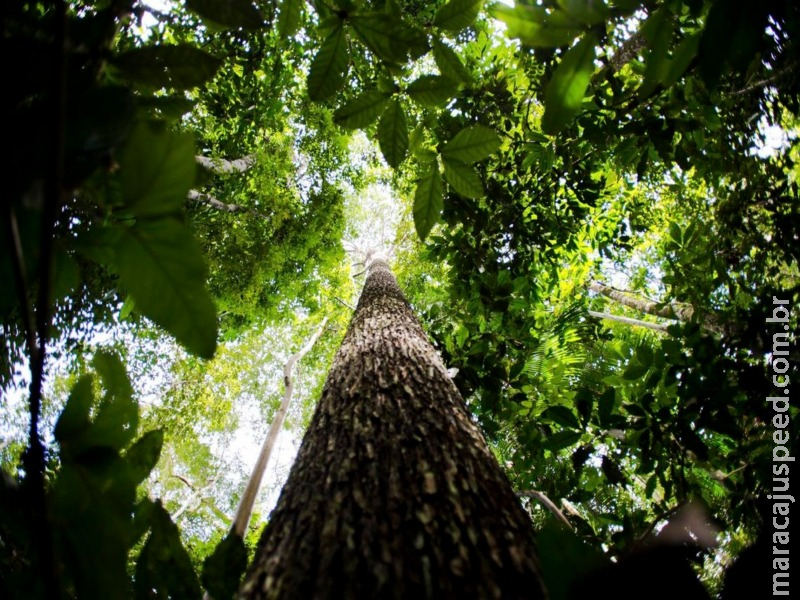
pixel 394 493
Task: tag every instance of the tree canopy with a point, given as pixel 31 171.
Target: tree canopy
pixel 592 205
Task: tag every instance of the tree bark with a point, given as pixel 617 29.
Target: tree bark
pixel 394 493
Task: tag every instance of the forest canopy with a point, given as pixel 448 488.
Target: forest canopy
pixel 591 205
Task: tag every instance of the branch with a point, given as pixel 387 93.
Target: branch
pixel 628 320
pixel 222 166
pixel 202 198
pixel 245 509
pixel 549 504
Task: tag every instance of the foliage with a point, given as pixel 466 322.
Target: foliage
pixel 619 141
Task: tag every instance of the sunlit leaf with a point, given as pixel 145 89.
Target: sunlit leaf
pixel 565 92
pixel 328 70
pixel 532 27
pixel 463 178
pixel 449 63
pixel 362 110
pixel 428 202
pixel 393 133
pixel 472 144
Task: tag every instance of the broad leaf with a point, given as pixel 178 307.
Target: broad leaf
pixel 143 455
pixel 159 263
pixel 449 63
pixel 362 110
pixel 463 178
pixel 393 134
pixel 182 66
pixel 472 144
pixel 118 415
pixel 428 201
pixel 561 415
pixel 561 439
pixel 228 13
pixel 432 90
pixel 457 14
pixel 533 28
pixel 388 39
pixel 74 419
pixel 328 70
pixel 223 570
pixel 290 16
pixel 565 92
pixel 157 169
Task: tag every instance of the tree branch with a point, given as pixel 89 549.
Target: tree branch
pixel 222 166
pixel 208 200
pixel 549 504
pixel 628 320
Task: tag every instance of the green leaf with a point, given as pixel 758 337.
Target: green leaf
pixel 432 90
pixel 388 39
pixel 472 144
pixel 428 202
pixel 223 570
pixel 561 440
pixel 644 354
pixel 157 169
pixel 228 13
pixel 362 110
pixel 561 415
pixel 463 178
pixel 393 134
pixel 531 26
pixel 605 406
pixel 328 71
pixel 143 455
pixel 182 66
pixel 682 57
pixel 289 17
pixel 170 108
pixel 588 12
pixel 118 415
pixel 74 419
pixel 160 265
pixel 565 92
pixel 457 14
pixel 164 569
pixel 634 372
pixel 565 558
pixel 449 63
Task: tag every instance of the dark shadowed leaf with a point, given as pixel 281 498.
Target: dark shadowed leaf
pixel 393 134
pixel 457 14
pixel 181 66
pixel 428 201
pixel 565 92
pixel 361 111
pixel 143 455
pixel 565 558
pixel 228 13
pixel 432 90
pixel 561 415
pixel 328 70
pixel 449 63
pixel 74 419
pixel 472 144
pixel 289 17
pixel 159 263
pixel 223 570
pixel 463 178
pixel 157 169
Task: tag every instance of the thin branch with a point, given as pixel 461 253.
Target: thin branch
pixel 21 283
pixel 208 200
pixel 549 504
pixel 343 303
pixel 223 166
pixel 245 509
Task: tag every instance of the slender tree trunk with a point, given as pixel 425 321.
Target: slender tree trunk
pixel 394 493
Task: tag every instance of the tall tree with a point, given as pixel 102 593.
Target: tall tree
pixel 395 492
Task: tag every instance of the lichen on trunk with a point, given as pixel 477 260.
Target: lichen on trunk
pixel 394 493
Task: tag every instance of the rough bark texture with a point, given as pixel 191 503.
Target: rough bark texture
pixel 394 493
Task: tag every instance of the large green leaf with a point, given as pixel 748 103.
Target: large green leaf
pixel 457 14
pixel 228 13
pixel 463 178
pixel 390 40
pixel 534 27
pixel 432 90
pixel 159 263
pixel 328 70
pixel 565 92
pixel 143 455
pixel 182 66
pixel 393 134
pixel 565 558
pixel 223 570
pixel 428 201
pixel 117 418
pixel 449 63
pixel 157 169
pixel 362 110
pixel 74 419
pixel 289 17
pixel 472 144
